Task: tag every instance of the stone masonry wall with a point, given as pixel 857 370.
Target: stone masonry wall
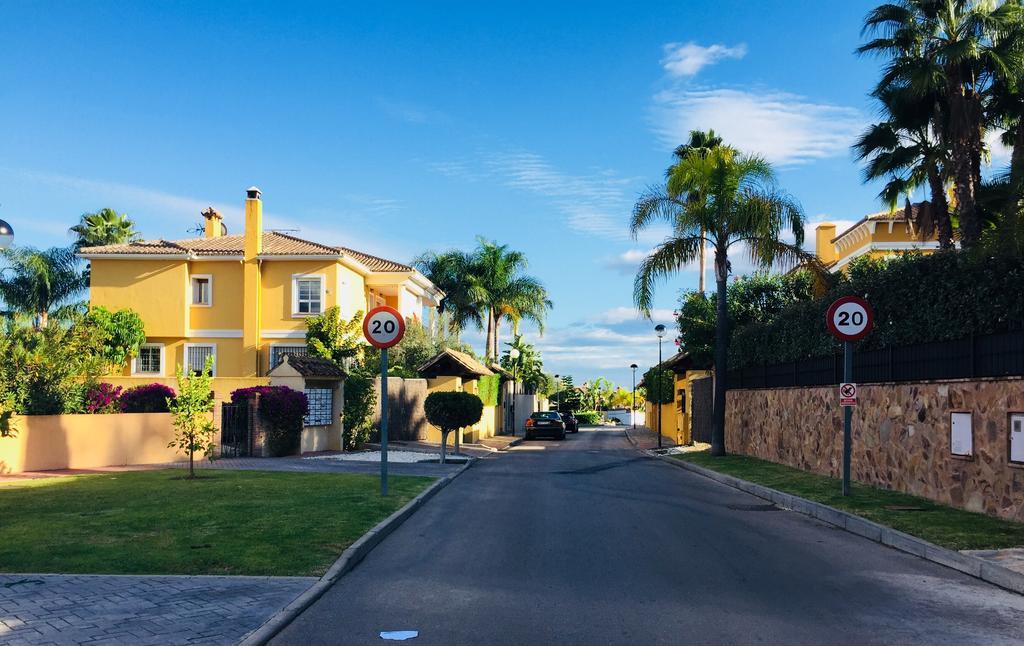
pixel 901 438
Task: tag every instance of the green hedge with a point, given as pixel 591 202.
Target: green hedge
pixel 916 299
pixel 489 386
pixel 588 417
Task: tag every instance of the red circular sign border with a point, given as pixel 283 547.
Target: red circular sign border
pixel 366 326
pixel 834 331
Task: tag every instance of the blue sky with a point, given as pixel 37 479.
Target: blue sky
pixel 400 127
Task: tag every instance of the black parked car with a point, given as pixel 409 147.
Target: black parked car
pixel 545 423
pixel 572 425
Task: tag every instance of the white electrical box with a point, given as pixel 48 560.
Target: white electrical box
pixel 1017 437
pixel 961 437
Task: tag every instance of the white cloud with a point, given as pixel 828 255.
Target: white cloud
pixel 686 59
pixel 617 315
pixel 785 128
pixel 1000 154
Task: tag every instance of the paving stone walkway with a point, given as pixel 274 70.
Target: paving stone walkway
pixel 101 609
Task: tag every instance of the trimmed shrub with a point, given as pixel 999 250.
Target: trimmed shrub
pixel 283 410
pixel 150 398
pixel 102 398
pixel 452 410
pixel 589 417
pixel 655 379
pixel 489 385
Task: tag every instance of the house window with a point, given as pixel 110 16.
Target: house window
pixel 1017 437
pixel 321 406
pixel 150 360
pixel 196 354
pixel 277 353
pixel 961 434
pixel 202 290
pixel 307 295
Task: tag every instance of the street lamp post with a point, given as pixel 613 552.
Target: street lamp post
pixel 513 355
pixel 6 234
pixel 660 331
pixel 632 412
pixel 558 394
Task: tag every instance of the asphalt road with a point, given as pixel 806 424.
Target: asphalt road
pixel 588 542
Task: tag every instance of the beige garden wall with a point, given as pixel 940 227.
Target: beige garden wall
pixel 45 442
pixel 901 438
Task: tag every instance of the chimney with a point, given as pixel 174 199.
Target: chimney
pixel 253 223
pixel 823 246
pixel 214 227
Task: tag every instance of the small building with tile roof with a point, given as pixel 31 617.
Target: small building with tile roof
pixel 242 299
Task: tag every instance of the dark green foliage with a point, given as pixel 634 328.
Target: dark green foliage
pixel 451 410
pixel 356 414
pixel 283 409
pixel 589 417
pixel 123 333
pixel 751 299
pixel 568 398
pixel 916 298
pixel 659 385
pixel 150 398
pixel 489 385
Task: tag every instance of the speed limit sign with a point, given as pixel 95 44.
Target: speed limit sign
pixel 850 318
pixel 383 327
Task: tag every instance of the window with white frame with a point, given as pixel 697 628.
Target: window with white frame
pixel 150 360
pixel 196 354
pixel 307 295
pixel 277 353
pixel 202 290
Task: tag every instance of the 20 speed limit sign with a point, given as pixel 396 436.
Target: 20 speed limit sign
pixel 383 327
pixel 850 318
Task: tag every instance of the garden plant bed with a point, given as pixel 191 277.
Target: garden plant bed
pixel 949 527
pixel 226 522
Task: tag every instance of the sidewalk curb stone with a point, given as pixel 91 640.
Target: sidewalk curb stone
pixel 351 557
pixel 968 564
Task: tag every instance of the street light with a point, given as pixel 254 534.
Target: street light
pixel 660 331
pixel 558 394
pixel 632 411
pixel 6 234
pixel 513 354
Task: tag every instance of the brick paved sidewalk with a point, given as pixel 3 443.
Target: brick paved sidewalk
pixel 645 438
pixel 103 609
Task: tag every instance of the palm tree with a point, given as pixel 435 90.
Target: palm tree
pixel 37 283
pixel 103 227
pixel 906 148
pixel 498 285
pixel 738 204
pixel 956 49
pixel 702 142
pixel 449 272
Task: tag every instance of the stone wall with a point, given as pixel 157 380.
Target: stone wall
pixel 901 438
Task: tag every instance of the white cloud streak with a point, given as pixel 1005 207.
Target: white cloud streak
pixel 687 59
pixel 787 129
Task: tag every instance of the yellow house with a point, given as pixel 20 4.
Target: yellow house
pixel 241 299
pixel 677 415
pixel 876 235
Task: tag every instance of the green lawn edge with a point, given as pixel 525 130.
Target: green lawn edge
pixel 267 523
pixel 940 524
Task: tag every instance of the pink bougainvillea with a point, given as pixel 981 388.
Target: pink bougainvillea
pixel 103 398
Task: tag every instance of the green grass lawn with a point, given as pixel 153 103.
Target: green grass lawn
pixel 227 522
pixel 939 524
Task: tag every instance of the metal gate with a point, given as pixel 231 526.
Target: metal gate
pixel 701 409
pixel 235 430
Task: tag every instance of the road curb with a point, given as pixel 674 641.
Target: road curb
pixel 971 565
pixel 351 557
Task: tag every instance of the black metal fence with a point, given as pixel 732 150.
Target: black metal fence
pixel 992 355
pixel 235 430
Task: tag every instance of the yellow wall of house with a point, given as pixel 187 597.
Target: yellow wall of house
pixel 155 289
pixel 45 442
pixel 277 291
pixel 675 421
pixel 225 313
pixel 351 288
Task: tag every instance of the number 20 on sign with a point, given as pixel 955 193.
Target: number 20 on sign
pixel 383 327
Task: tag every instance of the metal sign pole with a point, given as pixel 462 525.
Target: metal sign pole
pixel 847 416
pixel 384 422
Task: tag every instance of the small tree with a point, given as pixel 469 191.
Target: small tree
pixel 450 411
pixel 123 333
pixel 659 384
pixel 191 410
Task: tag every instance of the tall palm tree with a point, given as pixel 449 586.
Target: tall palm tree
pixel 702 142
pixel 103 227
pixel 498 284
pixel 738 204
pixel 37 283
pixel 449 272
pixel 957 49
pixel 907 149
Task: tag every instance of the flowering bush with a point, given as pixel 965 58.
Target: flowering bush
pixel 102 398
pixel 151 398
pixel 283 409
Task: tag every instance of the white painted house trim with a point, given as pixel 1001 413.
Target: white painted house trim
pixel 283 334
pixel 192 288
pixel 214 334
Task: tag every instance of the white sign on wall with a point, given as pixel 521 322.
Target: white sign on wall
pixel 961 436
